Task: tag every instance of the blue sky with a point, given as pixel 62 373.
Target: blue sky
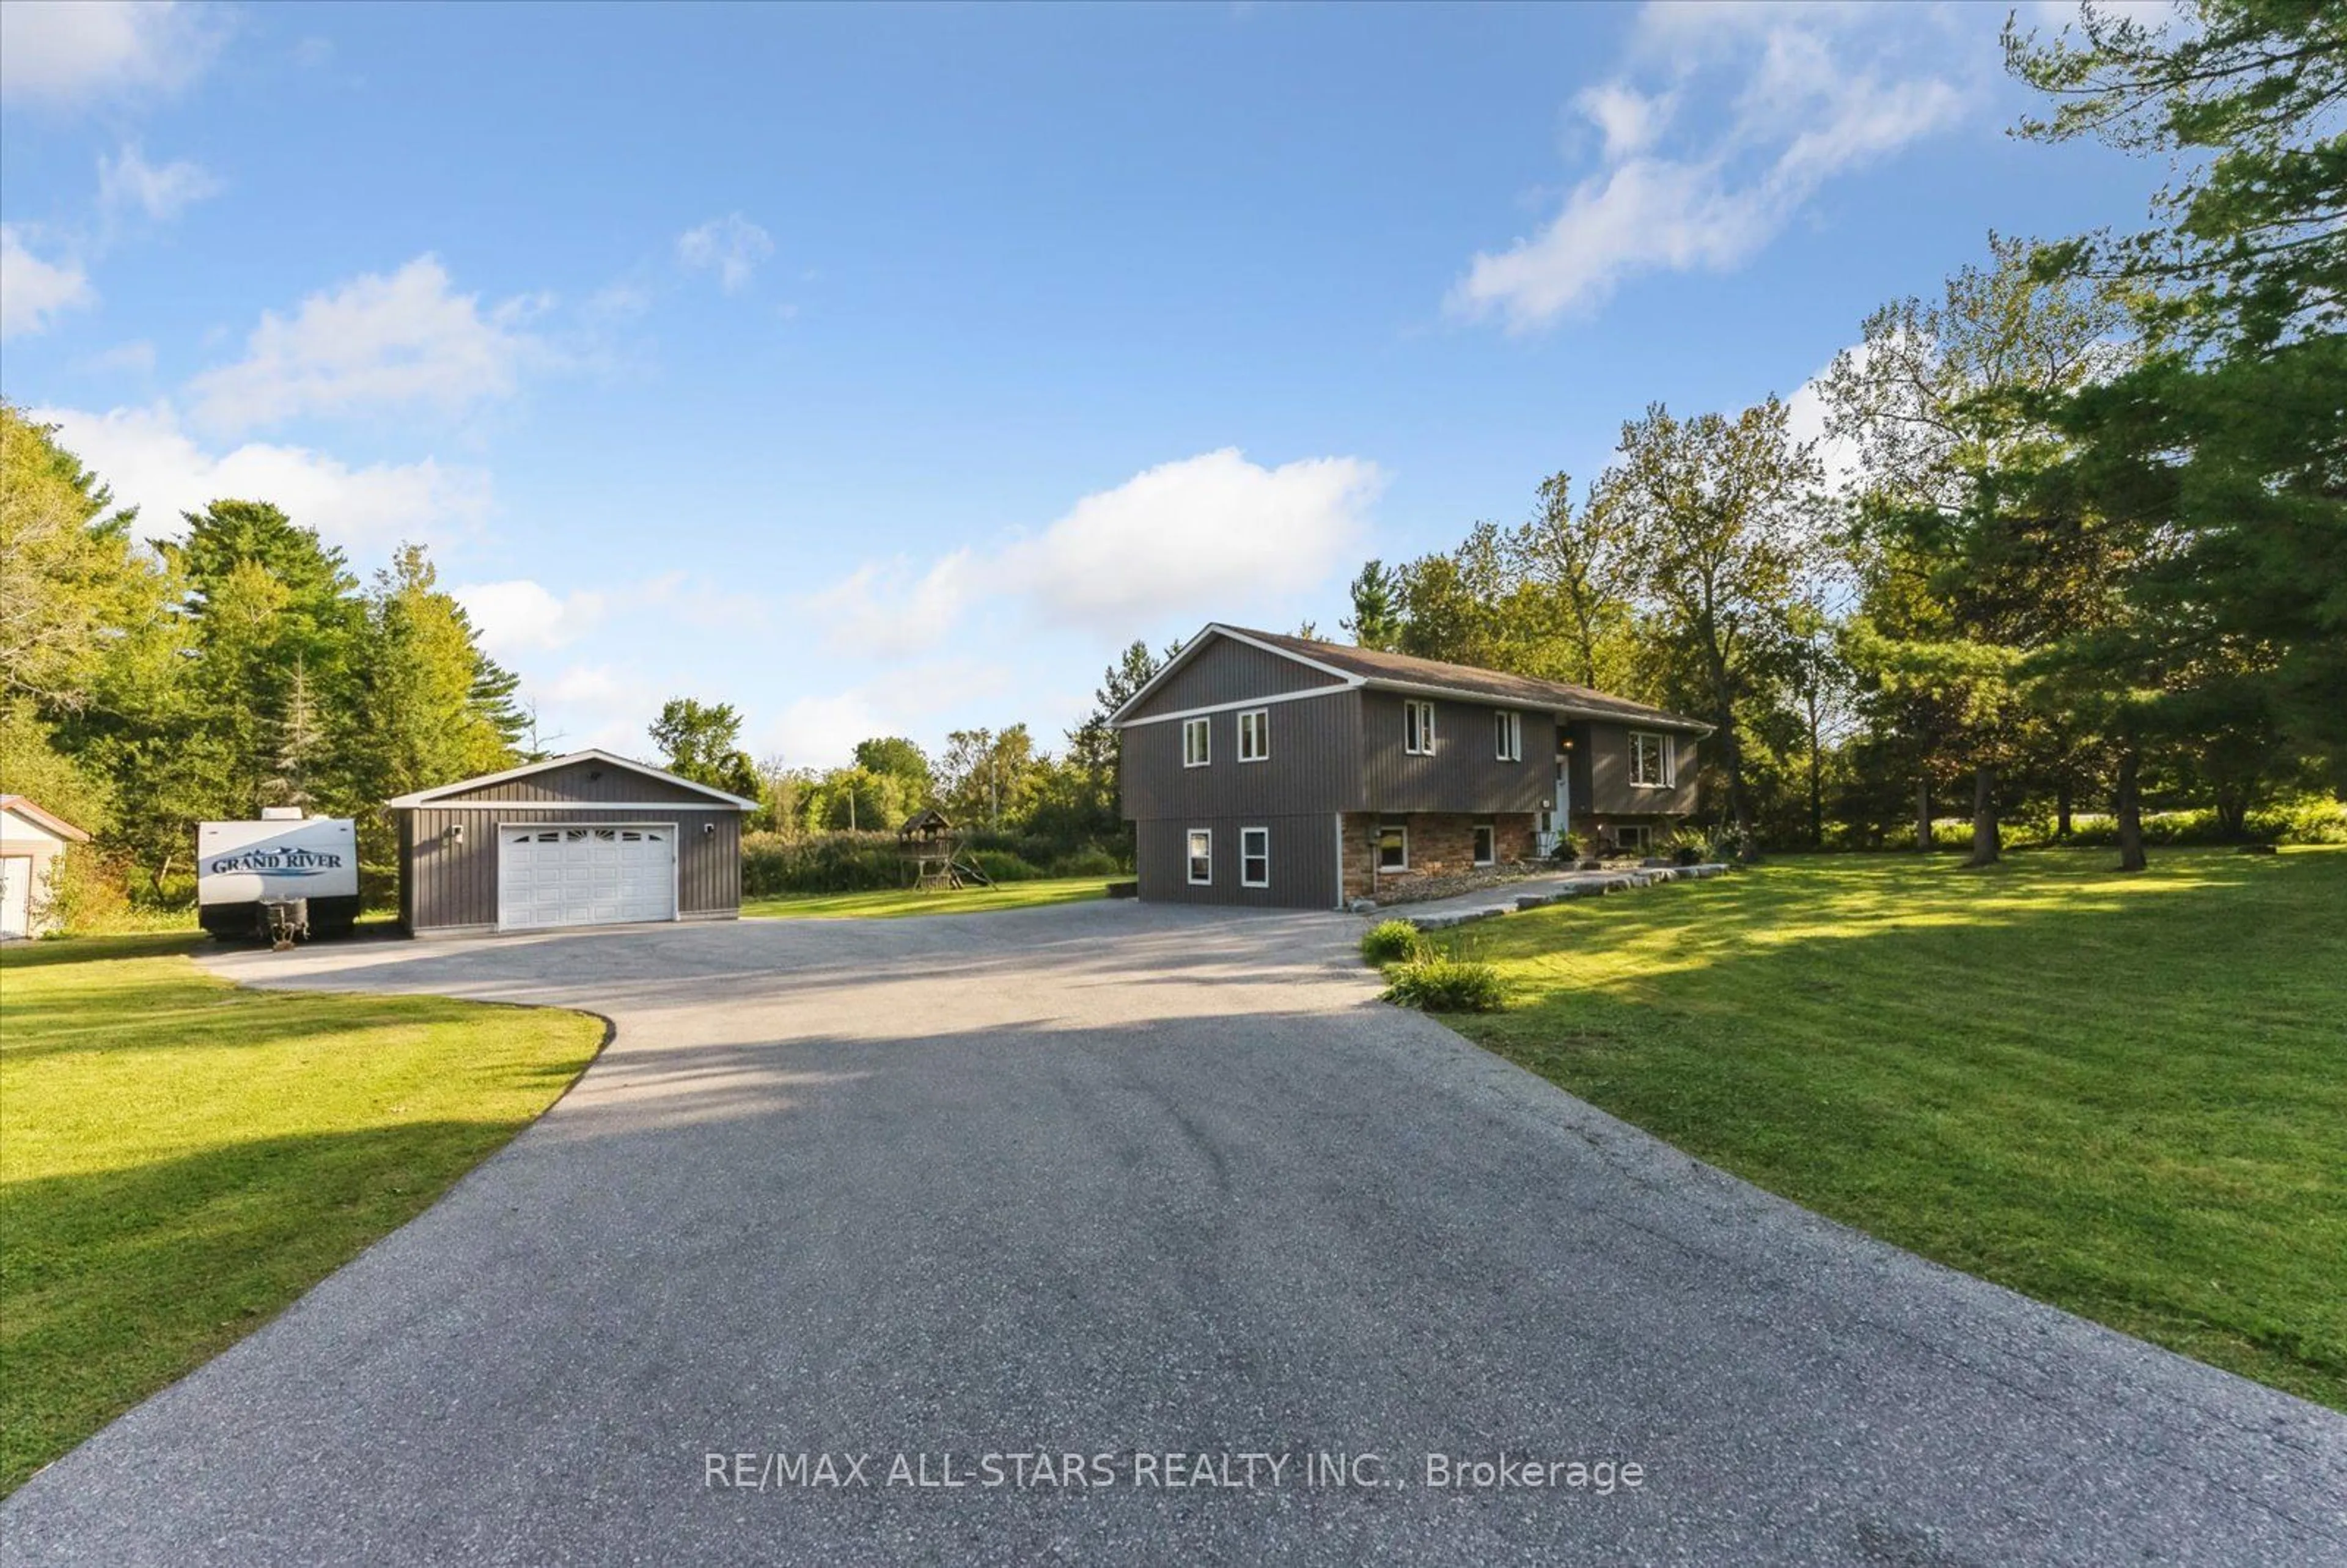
pixel 887 370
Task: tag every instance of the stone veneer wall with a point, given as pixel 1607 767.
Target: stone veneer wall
pixel 1441 844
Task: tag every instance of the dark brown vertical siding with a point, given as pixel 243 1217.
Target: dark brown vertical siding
pixel 1231 672
pixel 1610 792
pixel 406 825
pixel 709 863
pixel 1464 773
pixel 1302 861
pixel 1315 763
pixel 1584 788
pixel 449 882
pixel 587 782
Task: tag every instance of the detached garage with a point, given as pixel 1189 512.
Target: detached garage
pixel 588 839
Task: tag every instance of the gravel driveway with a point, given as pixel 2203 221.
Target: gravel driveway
pixel 1159 1189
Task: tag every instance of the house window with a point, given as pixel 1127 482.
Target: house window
pixel 1393 846
pixel 1255 858
pixel 1485 844
pixel 1195 743
pixel 1418 728
pixel 1255 735
pixel 1650 759
pixel 1201 856
pixel 1507 735
pixel 1632 836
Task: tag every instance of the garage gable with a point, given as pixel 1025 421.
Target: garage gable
pixel 590 778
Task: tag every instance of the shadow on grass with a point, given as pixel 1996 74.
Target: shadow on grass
pixel 2125 1096
pixel 115 1282
pixel 50 952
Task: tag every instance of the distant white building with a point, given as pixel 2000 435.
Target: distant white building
pixel 31 842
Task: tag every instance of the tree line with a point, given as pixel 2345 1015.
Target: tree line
pixel 2089 546
pixel 2091 543
pixel 1026 811
pixel 240 664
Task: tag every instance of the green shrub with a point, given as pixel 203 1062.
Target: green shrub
pixel 1092 860
pixel 1446 982
pixel 819 863
pixel 1002 865
pixel 1389 942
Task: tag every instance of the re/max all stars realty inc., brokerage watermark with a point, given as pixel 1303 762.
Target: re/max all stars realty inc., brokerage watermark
pixel 1214 1471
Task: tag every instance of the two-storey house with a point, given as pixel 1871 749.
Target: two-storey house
pixel 1265 769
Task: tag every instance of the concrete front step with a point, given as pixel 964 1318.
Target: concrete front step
pixel 1446 913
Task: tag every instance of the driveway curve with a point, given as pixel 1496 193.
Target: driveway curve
pixel 1131 1182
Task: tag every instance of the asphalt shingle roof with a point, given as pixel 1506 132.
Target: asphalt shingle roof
pixel 1378 667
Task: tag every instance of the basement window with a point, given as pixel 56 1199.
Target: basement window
pixel 1486 843
pixel 1393 846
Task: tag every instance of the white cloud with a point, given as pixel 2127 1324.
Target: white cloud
pixel 822 731
pixel 69 52
pixel 152 464
pixel 891 608
pixel 730 246
pixel 1211 531
pixel 129 184
pixel 2059 14
pixel 1213 534
pixel 34 292
pixel 1807 93
pixel 136 357
pixel 522 615
pixel 372 343
pixel 1805 420
pixel 1629 121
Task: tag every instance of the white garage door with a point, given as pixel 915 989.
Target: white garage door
pixel 585 876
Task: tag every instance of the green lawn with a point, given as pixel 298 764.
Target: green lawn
pixel 892 902
pixel 180 1158
pixel 2124 1095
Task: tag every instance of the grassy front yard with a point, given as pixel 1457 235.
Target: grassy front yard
pixel 892 902
pixel 180 1158
pixel 2124 1095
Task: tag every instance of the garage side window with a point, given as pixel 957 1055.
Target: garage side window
pixel 1255 858
pixel 1201 856
pixel 1393 846
pixel 1195 754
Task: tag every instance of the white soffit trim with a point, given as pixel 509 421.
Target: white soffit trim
pixel 591 754
pixel 653 805
pixel 1197 645
pixel 1232 707
pixel 1490 700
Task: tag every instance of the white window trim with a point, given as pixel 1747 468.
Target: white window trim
pixel 1205 731
pixel 1508 734
pixel 1402 828
pixel 1261 717
pixel 1490 833
pixel 1190 860
pixel 1264 834
pixel 1420 711
pixel 1668 752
